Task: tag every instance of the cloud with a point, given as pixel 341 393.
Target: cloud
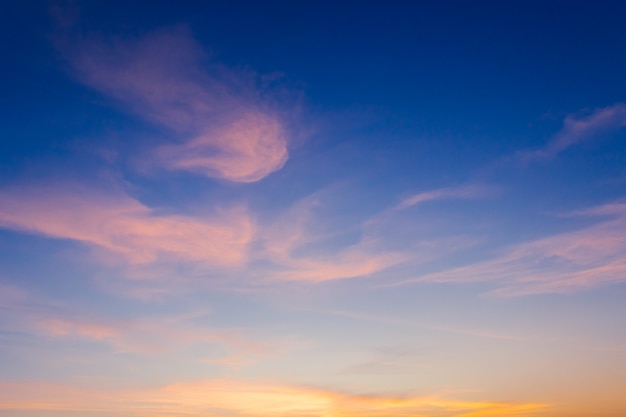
pixel 245 150
pixel 212 398
pixel 154 335
pixel 224 127
pixel 580 129
pixel 466 192
pixel 355 261
pixel 179 340
pixel 141 236
pixel 123 226
pixel 304 245
pixel 157 336
pixel 566 262
pixel 292 244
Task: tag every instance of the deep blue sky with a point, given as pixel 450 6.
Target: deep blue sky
pixel 501 74
pixel 441 64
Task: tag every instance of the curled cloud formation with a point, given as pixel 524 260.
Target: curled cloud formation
pixel 226 129
pixel 124 226
pixel 245 150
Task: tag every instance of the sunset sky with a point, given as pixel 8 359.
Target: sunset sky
pixel 312 208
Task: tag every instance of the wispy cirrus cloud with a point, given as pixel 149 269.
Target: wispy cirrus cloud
pixel 155 335
pixel 592 256
pixel 223 127
pixel 472 191
pixel 241 398
pixel 151 336
pixel 351 263
pixel 303 245
pixel 123 226
pixel 290 243
pixel 580 129
pixel 117 224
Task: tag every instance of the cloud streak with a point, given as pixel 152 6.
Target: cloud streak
pixel 156 336
pixel 290 244
pixel 452 193
pixel 303 245
pixel 581 129
pixel 150 336
pixel 223 126
pixel 123 226
pixel 562 263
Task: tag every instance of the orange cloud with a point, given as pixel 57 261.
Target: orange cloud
pixel 237 398
pixel 225 128
pixel 124 226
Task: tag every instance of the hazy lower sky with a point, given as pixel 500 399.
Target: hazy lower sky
pixel 312 209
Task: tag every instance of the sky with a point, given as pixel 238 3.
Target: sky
pixel 312 209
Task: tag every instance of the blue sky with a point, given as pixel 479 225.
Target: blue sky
pixel 312 209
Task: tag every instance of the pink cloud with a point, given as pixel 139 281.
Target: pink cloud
pixel 96 331
pixel 226 129
pixel 566 262
pixel 159 337
pixel 152 335
pixel 352 262
pixel 246 150
pixel 125 227
pixel 580 129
